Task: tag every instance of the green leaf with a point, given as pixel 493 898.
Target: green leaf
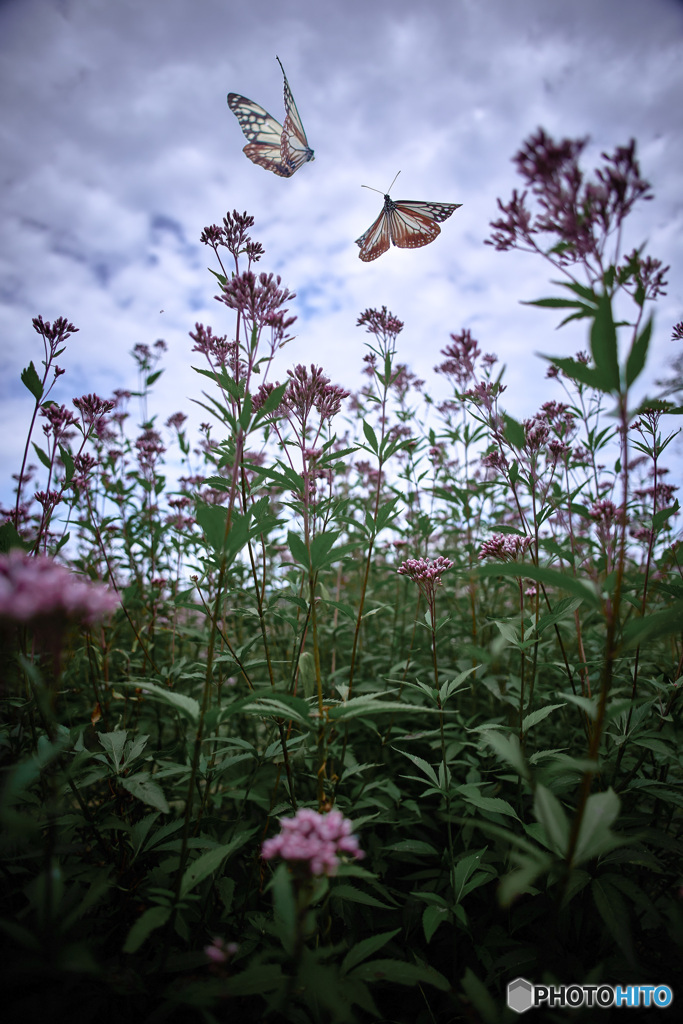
pixel 140 830
pixel 187 706
pixel 587 704
pixel 653 625
pixel 432 917
pixel 480 997
pixel 346 892
pixel 257 979
pixel 583 588
pixel 423 765
pixel 595 836
pixel 487 803
pixel 578 371
pixel 400 972
pixel 68 462
pixel 42 455
pixel 508 749
pixel 514 432
pixel 358 707
pixel 151 793
pixel 298 550
pixel 153 918
pixel 638 354
pixel 537 716
pixel 614 913
pixel 282 705
pixel 31 380
pixel 463 869
pixel 365 948
pixel 113 743
pixel 370 436
pixel 10 538
pixel 604 345
pixel 549 812
pixel 415 846
pixel 321 545
pixel 578 880
pixel 272 402
pixel 211 861
pixel 226 891
pixel 212 519
pixel 245 415
pixel 529 867
pixel 284 908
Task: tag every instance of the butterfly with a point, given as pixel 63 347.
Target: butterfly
pixel 282 149
pixel 406 223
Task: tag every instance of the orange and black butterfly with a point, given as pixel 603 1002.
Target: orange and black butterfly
pixel 282 149
pixel 406 223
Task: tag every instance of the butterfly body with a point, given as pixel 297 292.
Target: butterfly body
pixel 405 223
pixel 282 149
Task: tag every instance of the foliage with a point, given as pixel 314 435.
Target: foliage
pixel 502 737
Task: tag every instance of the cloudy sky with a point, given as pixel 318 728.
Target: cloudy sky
pixel 117 148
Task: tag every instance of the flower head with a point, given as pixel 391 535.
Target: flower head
pixel 39 588
pixel 219 951
pixel 313 841
pixel 427 574
pixel 505 547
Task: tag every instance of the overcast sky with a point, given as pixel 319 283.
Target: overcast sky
pixel 117 148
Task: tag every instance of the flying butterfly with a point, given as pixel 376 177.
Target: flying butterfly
pixel 282 149
pixel 406 223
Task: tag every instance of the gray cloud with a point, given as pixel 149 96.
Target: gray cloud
pixel 118 148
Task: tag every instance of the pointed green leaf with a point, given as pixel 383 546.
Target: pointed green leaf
pixel 153 918
pixel 508 749
pixel 604 345
pixel 370 436
pixel 284 908
pixel 486 803
pixel 151 793
pixel 187 706
pixel 613 911
pixel 211 861
pixel 514 431
pixel 537 716
pixel 595 835
pixel 113 743
pixel 400 972
pixel 31 380
pixel 638 354
pixel 298 550
pixel 549 812
pixel 365 948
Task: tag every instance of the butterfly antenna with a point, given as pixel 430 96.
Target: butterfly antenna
pixel 393 182
pixel 378 191
pixel 281 67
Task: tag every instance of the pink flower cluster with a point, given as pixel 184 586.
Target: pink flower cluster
pixel 39 588
pixel 313 841
pixel 506 547
pixel 419 569
pixel 220 951
pixel 426 574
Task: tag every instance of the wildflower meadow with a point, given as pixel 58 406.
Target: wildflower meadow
pixel 375 708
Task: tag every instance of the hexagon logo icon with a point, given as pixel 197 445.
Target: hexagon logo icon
pixel 520 995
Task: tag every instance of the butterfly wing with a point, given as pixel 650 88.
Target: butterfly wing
pixel 376 239
pixel 294 148
pixel 263 132
pixel 413 224
pixel 405 223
